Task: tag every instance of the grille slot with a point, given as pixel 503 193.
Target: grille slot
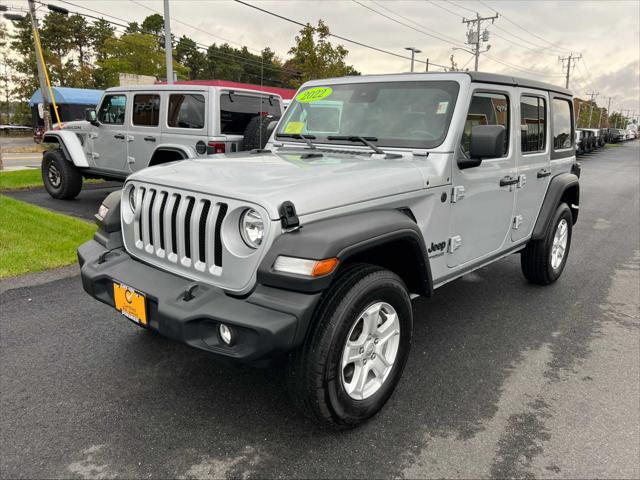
pixel 183 229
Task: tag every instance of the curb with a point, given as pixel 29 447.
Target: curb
pixel 39 278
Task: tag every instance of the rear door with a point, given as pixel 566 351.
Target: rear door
pixel 143 134
pixel 533 161
pixel 185 120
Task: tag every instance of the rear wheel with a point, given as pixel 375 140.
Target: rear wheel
pixel 60 177
pixel 543 260
pixel 353 358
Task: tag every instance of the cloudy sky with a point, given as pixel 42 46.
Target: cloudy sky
pixel 526 39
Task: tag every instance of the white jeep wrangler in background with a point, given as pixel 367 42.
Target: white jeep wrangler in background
pixel 137 127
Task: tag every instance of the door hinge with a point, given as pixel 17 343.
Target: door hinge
pixel 522 181
pixel 457 193
pixel 95 155
pixel 455 243
pixel 129 138
pixel 93 135
pixel 131 160
pixel 517 221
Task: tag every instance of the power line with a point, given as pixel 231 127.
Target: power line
pixel 528 31
pixel 194 27
pixel 523 69
pixel 345 39
pixel 203 47
pixel 437 35
pixel 463 8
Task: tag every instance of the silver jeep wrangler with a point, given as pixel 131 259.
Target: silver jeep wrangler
pixel 372 190
pixel 137 127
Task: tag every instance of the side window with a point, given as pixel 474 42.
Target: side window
pixel 532 123
pixel 561 124
pixel 146 110
pixel 111 111
pixel 186 110
pixel 487 109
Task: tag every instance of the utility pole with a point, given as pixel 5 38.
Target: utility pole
pixel 609 111
pixel 167 42
pixel 473 36
pixel 426 69
pixel 593 96
pixel 46 112
pixel 568 60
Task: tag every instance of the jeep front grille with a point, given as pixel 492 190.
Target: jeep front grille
pixel 182 228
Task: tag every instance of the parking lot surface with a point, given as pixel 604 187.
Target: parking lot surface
pixel 84 206
pixel 505 379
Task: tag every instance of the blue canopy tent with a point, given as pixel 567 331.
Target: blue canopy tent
pixel 72 102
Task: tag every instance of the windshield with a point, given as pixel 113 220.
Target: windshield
pixel 396 114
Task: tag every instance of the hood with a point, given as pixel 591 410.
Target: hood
pixel 312 183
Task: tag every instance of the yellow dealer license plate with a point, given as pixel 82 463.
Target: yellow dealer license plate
pixel 130 303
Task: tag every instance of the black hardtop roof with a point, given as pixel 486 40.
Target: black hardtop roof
pixel 479 77
pixel 516 82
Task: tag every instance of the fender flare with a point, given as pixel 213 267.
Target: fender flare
pixel 69 144
pixel 184 150
pixel 559 185
pixel 345 238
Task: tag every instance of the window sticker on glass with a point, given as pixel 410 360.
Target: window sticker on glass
pixel 313 94
pixel 294 127
pixel 442 108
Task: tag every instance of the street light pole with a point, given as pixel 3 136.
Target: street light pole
pixel 167 42
pixel 414 50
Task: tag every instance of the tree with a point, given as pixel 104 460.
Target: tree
pixel 137 53
pixel 313 56
pixel 5 91
pixel 153 24
pixel 187 54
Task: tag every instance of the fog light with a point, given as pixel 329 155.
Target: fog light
pixel 225 334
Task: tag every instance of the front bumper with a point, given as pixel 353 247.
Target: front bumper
pixel 267 323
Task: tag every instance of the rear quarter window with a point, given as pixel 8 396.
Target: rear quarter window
pixel 562 124
pixel 236 111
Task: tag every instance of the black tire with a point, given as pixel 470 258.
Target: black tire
pixel 258 132
pixel 535 259
pixel 315 370
pixel 60 177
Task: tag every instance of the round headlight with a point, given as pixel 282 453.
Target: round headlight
pixel 132 199
pixel 251 228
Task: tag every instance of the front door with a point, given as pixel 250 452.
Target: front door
pixel 482 208
pixel 533 164
pixel 108 148
pixel 144 132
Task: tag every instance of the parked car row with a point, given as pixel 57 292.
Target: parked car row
pixel 589 139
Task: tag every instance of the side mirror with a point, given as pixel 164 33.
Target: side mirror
pixel 91 117
pixel 487 141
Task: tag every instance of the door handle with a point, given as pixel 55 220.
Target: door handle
pixel 119 136
pixel 505 181
pixel 544 173
pixel 149 139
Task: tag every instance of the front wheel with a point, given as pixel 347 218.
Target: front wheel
pixel 60 177
pixel 543 260
pixel 354 355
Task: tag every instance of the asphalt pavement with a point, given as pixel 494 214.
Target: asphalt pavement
pixel 84 206
pixel 505 379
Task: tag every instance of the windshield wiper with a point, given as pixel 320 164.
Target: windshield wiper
pixel 306 138
pixel 364 140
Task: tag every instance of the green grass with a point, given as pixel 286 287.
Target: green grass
pixel 33 239
pixel 20 179
pixel 30 178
